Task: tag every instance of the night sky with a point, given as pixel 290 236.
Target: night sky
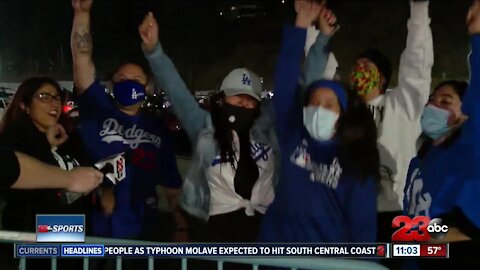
pixel 35 36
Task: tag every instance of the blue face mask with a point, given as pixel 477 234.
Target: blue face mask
pixel 435 122
pixel 319 122
pixel 128 92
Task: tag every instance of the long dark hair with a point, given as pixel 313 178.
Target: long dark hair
pixel 223 135
pixel 357 133
pixel 459 87
pixel 25 94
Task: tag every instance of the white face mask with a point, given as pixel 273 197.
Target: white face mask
pixel 319 122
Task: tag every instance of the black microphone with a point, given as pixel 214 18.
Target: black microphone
pixel 108 168
pixel 113 169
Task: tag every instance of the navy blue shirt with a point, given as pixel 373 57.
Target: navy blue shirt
pixel 108 131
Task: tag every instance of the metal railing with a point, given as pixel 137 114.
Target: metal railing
pixel 288 263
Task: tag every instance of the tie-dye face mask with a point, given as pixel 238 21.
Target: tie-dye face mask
pixel 363 79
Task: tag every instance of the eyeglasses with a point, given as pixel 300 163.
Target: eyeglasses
pixel 47 98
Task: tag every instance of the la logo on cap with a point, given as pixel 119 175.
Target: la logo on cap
pixel 246 80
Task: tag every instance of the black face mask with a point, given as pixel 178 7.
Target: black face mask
pixel 238 118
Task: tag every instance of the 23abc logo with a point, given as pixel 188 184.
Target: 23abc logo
pixel 418 229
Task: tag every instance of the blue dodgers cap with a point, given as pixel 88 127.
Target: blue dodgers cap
pixel 335 87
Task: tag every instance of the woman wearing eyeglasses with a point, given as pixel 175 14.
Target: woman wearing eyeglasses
pixel 31 125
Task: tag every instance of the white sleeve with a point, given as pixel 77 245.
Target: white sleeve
pixel 414 77
pixel 332 64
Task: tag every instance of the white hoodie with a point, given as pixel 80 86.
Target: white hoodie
pixel 397 113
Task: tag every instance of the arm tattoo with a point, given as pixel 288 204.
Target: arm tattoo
pixel 83 41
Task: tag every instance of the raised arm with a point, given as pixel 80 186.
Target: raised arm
pixel 472 96
pixel 287 73
pixel 186 108
pixel 318 54
pixel 82 46
pixel 471 99
pixel 416 63
pixel 458 199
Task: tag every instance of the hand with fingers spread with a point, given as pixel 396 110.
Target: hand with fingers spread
pixel 327 22
pixel 56 135
pixel 307 12
pixel 82 5
pixel 473 18
pixel 148 31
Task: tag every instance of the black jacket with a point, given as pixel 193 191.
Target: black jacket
pixel 23 205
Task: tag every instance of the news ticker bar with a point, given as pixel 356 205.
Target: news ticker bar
pixel 233 250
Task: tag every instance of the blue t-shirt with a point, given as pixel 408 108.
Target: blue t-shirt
pixel 108 131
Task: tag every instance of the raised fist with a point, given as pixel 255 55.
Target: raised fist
pixel 307 12
pixel 473 18
pixel 148 31
pixel 82 5
pixel 327 22
pixel 56 135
